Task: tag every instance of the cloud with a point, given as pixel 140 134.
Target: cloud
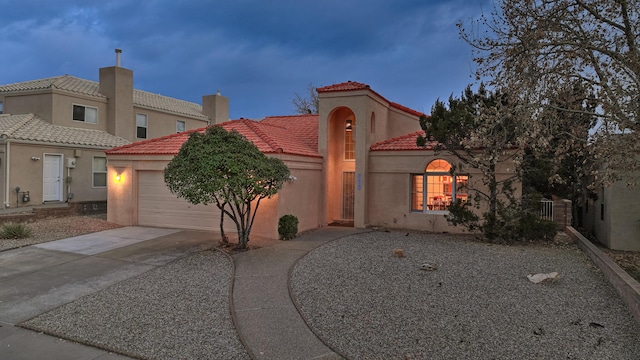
pixel 259 53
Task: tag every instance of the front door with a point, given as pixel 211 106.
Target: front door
pixel 52 178
pixel 348 194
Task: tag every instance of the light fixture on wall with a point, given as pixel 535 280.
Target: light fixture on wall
pixel 119 176
pixel 348 125
pixel 35 158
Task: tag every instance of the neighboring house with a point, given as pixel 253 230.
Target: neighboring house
pixel 614 217
pixel 53 132
pixel 355 163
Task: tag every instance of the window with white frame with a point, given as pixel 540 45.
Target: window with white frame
pixel 180 126
pixel 349 140
pixel 86 114
pixel 437 187
pixel 99 172
pixel 141 126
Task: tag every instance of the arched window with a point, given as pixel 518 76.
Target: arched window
pixel 372 126
pixel 349 139
pixel 437 187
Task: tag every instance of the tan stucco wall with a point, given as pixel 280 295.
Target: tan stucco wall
pixel 63 111
pixel 39 104
pixel 26 171
pixel 388 122
pixel 390 188
pixel 56 107
pixel 623 210
pixel 162 123
pixel 300 197
pixel 619 227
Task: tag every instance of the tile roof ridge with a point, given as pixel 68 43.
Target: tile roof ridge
pixel 415 133
pixel 381 144
pixel 355 86
pixel 164 96
pixel 406 109
pixel 26 118
pixel 147 141
pixel 288 116
pixel 253 125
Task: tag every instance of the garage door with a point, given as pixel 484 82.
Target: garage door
pixel 157 206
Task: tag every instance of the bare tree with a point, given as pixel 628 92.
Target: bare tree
pixel 307 104
pixel 534 48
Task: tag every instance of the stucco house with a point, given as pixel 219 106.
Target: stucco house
pixel 53 132
pixel 356 163
pixel 614 217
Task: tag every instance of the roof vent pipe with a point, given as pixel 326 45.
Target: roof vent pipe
pixel 118 52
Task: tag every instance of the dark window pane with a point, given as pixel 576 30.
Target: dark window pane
pixel 78 113
pixel 99 179
pixel 141 132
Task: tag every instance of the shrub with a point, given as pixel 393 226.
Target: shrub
pixel 288 227
pixel 534 228
pixel 14 231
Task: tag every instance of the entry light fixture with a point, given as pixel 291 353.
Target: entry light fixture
pixel 119 176
pixel 348 125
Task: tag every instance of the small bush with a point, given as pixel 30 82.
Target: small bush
pixel 534 228
pixel 14 231
pixel 288 227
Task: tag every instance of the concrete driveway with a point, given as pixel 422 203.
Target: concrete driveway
pixel 38 278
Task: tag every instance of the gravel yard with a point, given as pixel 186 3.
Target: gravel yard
pixel 177 311
pixel 478 304
pixel 50 229
pixel 363 302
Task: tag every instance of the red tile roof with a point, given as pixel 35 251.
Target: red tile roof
pixel 402 143
pixel 345 86
pixel 269 138
pixel 303 127
pixel 353 86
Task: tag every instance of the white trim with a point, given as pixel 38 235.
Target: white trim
pixel 184 123
pixel 146 126
pixel 85 115
pixel 60 174
pixel 93 172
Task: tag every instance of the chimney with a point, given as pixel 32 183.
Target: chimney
pixel 216 108
pixel 116 83
pixel 118 53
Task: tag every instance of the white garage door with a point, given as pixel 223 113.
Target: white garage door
pixel 157 206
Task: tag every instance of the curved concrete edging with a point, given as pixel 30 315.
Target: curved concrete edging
pixel 625 285
pixel 295 303
pixel 232 309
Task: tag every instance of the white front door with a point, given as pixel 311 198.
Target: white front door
pixel 52 178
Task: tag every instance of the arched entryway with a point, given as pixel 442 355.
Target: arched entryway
pixel 341 166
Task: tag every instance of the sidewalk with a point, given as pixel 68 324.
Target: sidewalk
pixel 266 319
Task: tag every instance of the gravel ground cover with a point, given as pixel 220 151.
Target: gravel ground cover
pixel 44 230
pixel 478 304
pixel 177 311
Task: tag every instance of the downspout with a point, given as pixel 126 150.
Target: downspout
pixel 7 158
pixel 68 184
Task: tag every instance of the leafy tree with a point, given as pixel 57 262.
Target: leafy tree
pixel 225 169
pixel 479 130
pixel 535 48
pixel 308 103
pixel 562 168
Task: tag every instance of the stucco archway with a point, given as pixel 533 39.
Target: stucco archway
pixel 341 165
